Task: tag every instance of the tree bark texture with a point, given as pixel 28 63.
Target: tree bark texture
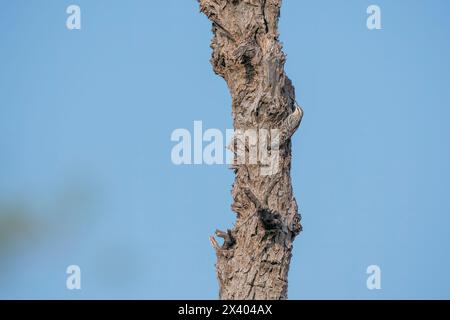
pixel 253 261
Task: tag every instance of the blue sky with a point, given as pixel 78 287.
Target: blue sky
pixel 86 176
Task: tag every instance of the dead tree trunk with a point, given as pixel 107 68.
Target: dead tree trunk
pixel 253 261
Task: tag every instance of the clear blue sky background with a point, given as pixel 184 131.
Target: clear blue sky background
pixel 86 176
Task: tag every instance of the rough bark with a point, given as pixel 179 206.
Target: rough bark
pixel 253 261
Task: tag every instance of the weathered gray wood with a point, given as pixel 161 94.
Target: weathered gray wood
pixel 253 262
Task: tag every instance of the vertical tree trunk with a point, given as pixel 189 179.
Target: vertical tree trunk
pixel 253 261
